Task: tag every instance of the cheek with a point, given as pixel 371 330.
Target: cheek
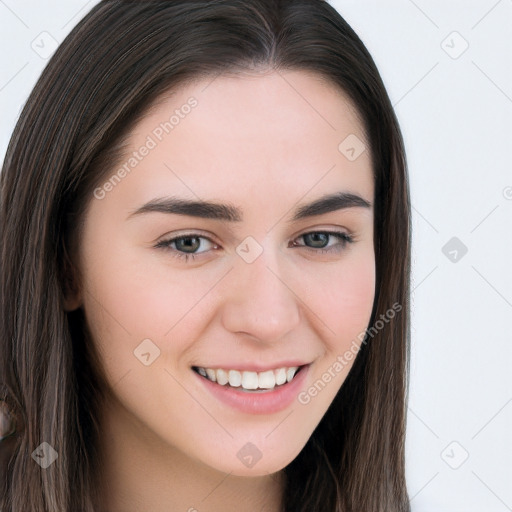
pixel 129 298
pixel 343 300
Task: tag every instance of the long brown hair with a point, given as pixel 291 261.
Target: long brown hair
pixel 119 59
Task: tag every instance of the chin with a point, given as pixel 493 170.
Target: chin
pixel 250 461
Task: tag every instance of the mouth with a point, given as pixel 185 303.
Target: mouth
pixel 249 381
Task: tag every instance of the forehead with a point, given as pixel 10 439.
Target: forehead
pixel 278 134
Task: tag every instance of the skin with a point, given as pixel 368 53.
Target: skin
pixel 265 142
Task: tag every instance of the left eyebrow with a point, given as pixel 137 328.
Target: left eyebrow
pixel 226 212
pixel 330 203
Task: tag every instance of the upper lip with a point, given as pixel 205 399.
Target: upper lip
pixel 252 367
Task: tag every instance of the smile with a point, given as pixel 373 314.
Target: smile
pixel 254 392
pixel 249 381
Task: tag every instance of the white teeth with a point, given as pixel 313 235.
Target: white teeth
pixel 290 373
pixel 280 376
pixel 267 379
pixel 222 377
pixel 250 380
pixel 235 378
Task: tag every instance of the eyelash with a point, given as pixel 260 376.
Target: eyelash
pixel 344 238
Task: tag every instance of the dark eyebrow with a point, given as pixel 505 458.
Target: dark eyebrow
pixel 217 211
pixel 330 203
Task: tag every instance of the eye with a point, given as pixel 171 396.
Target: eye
pixel 185 246
pixel 318 241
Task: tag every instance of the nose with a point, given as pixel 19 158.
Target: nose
pixel 258 300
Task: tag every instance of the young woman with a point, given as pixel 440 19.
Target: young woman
pixel 205 259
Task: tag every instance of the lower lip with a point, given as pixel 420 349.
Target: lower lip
pixel 258 403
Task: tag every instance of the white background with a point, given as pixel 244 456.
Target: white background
pixel 455 110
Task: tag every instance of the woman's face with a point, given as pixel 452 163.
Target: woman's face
pixel 245 287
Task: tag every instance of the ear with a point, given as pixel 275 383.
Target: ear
pixel 72 301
